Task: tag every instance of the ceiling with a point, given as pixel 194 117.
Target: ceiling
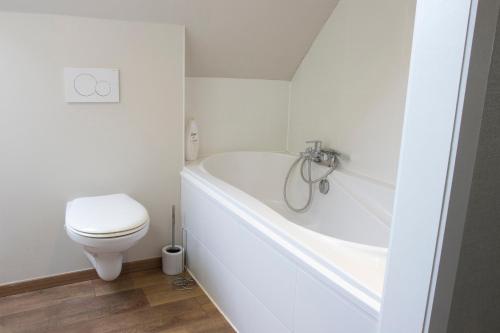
pixel 264 39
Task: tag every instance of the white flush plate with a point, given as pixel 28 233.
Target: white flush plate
pixel 91 85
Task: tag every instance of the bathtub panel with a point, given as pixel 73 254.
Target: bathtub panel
pixel 223 236
pixel 269 275
pixel 189 213
pixel 212 226
pixel 193 255
pixel 242 308
pixel 319 309
pixel 266 273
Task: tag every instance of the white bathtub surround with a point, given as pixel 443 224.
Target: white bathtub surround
pixel 295 271
pixel 349 92
pixel 53 152
pixel 238 114
pixel 350 89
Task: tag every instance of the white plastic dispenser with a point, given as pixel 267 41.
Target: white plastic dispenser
pixel 192 140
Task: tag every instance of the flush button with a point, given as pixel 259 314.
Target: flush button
pixel 103 88
pixel 85 84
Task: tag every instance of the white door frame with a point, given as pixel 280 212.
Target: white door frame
pixel 451 54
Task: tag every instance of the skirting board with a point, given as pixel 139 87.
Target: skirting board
pixel 73 277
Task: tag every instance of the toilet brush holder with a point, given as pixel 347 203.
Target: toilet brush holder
pixel 172 259
pixel 172 255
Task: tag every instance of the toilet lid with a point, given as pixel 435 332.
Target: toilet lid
pixel 108 214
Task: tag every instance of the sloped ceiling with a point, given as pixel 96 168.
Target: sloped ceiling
pixel 264 39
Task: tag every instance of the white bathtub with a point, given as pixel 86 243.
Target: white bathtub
pixel 324 268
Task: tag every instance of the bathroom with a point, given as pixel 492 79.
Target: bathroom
pixel 330 166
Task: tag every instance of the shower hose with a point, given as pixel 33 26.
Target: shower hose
pixel 306 159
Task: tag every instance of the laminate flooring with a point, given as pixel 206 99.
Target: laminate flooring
pixel 146 301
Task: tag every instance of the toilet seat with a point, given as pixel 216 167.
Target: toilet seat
pixel 108 235
pixel 106 216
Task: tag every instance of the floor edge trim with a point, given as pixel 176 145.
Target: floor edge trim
pixel 73 277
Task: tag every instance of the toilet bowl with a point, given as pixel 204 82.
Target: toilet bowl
pixel 106 227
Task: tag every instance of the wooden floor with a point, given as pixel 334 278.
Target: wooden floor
pixel 144 301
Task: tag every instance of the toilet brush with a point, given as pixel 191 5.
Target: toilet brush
pixel 172 245
pixel 172 255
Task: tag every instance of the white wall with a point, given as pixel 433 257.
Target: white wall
pixel 350 89
pixel 52 151
pixel 238 114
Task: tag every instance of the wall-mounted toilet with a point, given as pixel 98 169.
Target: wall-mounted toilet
pixel 106 226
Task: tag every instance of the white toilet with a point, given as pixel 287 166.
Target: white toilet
pixel 106 226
